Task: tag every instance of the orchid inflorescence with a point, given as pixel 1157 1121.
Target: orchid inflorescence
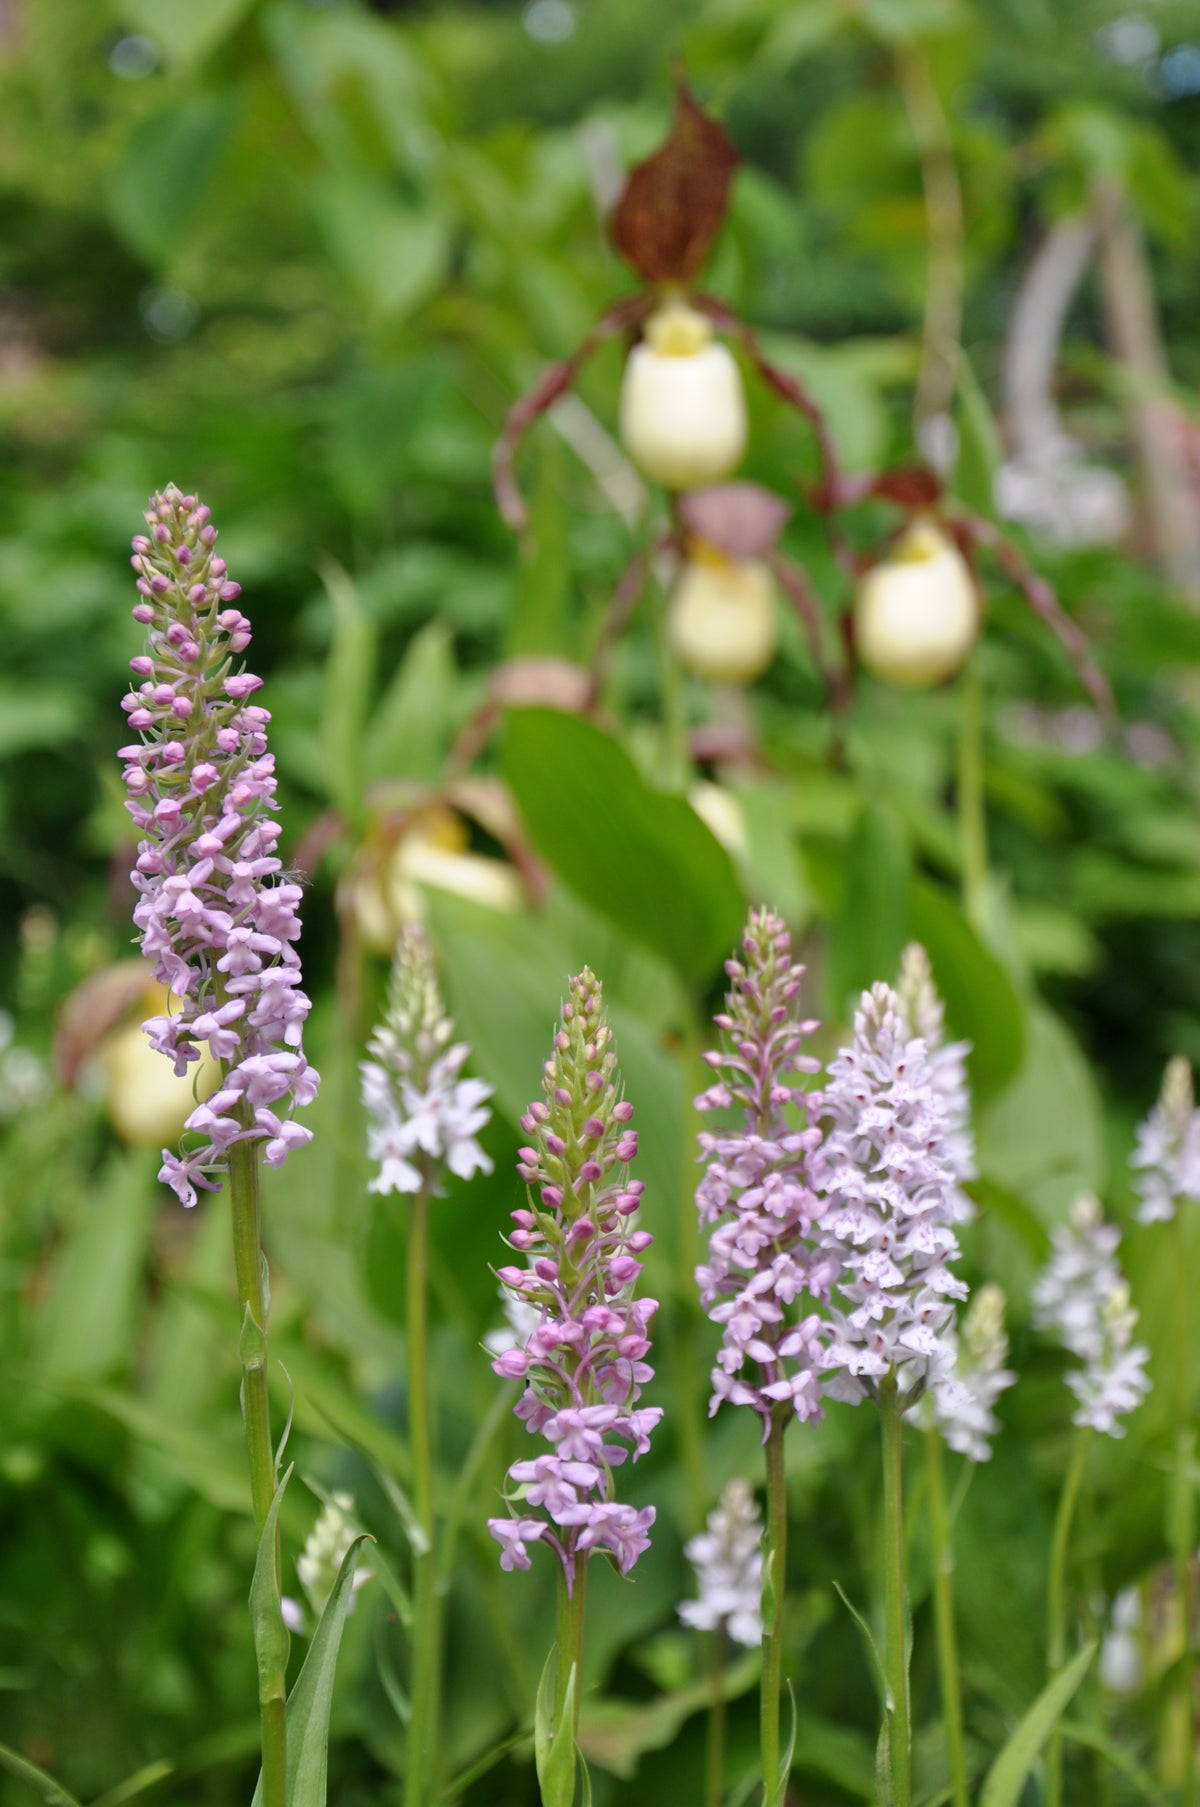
pixel 217 920
pixel 584 1363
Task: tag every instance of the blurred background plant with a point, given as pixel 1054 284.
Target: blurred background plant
pixel 303 258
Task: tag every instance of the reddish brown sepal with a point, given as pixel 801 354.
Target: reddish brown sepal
pixel 915 487
pixel 673 205
pixel 743 520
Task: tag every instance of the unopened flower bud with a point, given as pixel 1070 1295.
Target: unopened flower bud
pixel 917 613
pixel 683 412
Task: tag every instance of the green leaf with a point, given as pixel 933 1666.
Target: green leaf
pixel 871 924
pixel 409 729
pixel 885 1791
pixel 183 31
pixel 540 622
pixel 553 1746
pixel 159 185
pixel 1044 1138
pixel 271 1640
pixel 979 450
pixel 393 254
pixel 1095 1740
pixel 311 1700
pixel 88 1326
pixel 618 1733
pixel 351 664
pixel 982 1005
pixel 1008 1773
pixel 641 857
pixel 43 1785
pixel 789 1749
pixel 877 1663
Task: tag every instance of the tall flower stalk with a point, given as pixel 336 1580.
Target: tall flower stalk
pixel 1083 1299
pixel 764 1270
pixel 219 924
pixel 1166 1161
pixel 423 1121
pixel 584 1362
pixel 891 1185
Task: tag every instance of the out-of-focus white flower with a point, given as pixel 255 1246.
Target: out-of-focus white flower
pixel 423 1117
pixel 1120 1655
pixel 683 410
pixel 1081 1295
pixel 521 1320
pixel 720 811
pixel 960 1405
pixel 917 613
pixel 321 1559
pixel 722 620
pixel 727 1558
pixel 925 1014
pixel 1167 1155
pixel 1053 491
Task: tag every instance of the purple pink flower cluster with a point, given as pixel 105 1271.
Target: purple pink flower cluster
pixel 217 921
pixel 758 1194
pixel 584 1361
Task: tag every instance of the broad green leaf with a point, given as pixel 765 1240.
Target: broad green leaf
pixel 348 686
pixel 1043 1139
pixel 979 449
pixel 1008 1773
pixel 554 1748
pixel 311 1699
pixel 981 1004
pixel 157 188
pixel 871 925
pixel 182 30
pixel 44 1786
pixel 392 253
pixel 89 1324
pixel 271 1640
pixel 639 856
pixel 409 729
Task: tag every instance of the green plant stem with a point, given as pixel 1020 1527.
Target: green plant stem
pixel 943 1608
pixel 972 817
pixel 892 1422
pixel 1183 1518
pixel 1056 1618
pixel 676 755
pixel 714 1764
pixel 572 1608
pixel 774 1580
pixel 426 1654
pixel 256 1416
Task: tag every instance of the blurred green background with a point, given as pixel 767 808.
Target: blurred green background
pixel 301 258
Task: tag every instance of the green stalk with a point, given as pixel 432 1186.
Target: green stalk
pixel 677 760
pixel 569 1656
pixel 1183 1518
pixel 774 1581
pixel 426 1647
pixel 1056 1619
pixel 892 1423
pixel 256 1416
pixel 714 1764
pixel 943 1609
pixel 972 816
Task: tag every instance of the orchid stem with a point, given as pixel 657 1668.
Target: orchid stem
pixel 943 1606
pixel 1056 1621
pixel 774 1578
pixel 256 1416
pixel 426 1654
pixel 714 1767
pixel 891 1414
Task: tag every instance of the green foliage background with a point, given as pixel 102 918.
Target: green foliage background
pixel 301 258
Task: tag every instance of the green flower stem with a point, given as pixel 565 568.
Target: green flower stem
pixel 972 816
pixel 774 1580
pixel 677 760
pixel 892 1422
pixel 426 1647
pixel 1183 1516
pixel 943 1608
pixel 1056 1618
pixel 569 1649
pixel 256 1416
pixel 714 1764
